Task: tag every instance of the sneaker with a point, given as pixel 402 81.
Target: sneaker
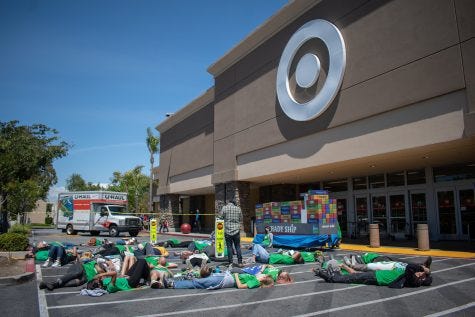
pixel 156 284
pixel 56 263
pixel 168 283
pixel 46 264
pixel 42 285
pixel 353 260
pixel 347 261
pixel 428 262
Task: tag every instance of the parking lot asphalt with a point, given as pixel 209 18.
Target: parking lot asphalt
pixel 452 293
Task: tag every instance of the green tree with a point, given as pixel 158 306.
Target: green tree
pixel 27 154
pixel 75 182
pixel 22 197
pixel 153 145
pixel 135 184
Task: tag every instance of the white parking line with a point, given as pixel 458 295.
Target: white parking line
pixel 377 301
pixel 236 290
pixel 43 306
pixel 452 310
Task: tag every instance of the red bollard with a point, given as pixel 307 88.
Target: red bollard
pixel 30 265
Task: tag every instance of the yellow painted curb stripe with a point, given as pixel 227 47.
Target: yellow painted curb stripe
pixel 409 251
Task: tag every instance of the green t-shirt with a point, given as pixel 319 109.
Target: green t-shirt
pixel 386 277
pixel 90 270
pixel 121 284
pixel 41 255
pixel 266 240
pixel 277 258
pixel 272 272
pixel 200 245
pixel 174 242
pixel 250 280
pixel 369 257
pixel 123 248
pixel 308 256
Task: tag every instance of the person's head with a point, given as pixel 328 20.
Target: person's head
pixel 92 242
pixel 95 283
pixel 267 229
pixel 284 278
pixel 205 271
pixel 265 281
pixel 297 256
pixel 162 261
pixel 419 279
pixel 42 244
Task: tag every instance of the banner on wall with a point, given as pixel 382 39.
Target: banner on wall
pixel 299 228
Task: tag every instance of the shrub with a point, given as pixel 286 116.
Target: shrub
pixel 21 229
pixel 13 242
pixel 48 220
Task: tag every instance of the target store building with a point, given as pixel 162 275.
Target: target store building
pixel 373 101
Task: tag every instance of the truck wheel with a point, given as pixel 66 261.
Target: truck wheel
pixel 113 231
pixel 133 233
pixel 95 233
pixel 70 230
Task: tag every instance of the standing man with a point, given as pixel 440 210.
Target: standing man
pixel 197 223
pixel 232 216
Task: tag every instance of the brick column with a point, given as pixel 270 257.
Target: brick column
pixel 170 209
pixel 240 193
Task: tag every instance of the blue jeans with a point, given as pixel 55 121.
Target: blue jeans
pixel 57 253
pixel 262 256
pixel 202 283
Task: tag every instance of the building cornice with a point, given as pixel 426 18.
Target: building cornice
pixel 197 104
pixel 289 13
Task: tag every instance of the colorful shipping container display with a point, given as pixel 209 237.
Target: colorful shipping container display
pixel 321 210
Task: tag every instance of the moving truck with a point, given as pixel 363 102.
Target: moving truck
pixel 95 212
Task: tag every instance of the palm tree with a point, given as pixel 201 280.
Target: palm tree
pixel 153 145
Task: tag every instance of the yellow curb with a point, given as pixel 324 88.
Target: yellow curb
pixel 410 251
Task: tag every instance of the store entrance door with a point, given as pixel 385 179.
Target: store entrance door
pixel 362 215
pixel 418 210
pixel 456 210
pixel 380 213
pixel 398 226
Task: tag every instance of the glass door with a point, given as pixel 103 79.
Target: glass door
pixel 397 215
pixel 342 215
pixel 418 210
pixel 447 217
pixel 467 213
pixel 362 216
pixel 379 211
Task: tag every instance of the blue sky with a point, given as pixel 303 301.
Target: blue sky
pixel 101 72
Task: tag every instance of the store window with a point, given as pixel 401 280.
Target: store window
pixel 360 183
pixel 395 179
pixel 338 185
pixel 416 177
pixel 454 172
pixel 376 181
